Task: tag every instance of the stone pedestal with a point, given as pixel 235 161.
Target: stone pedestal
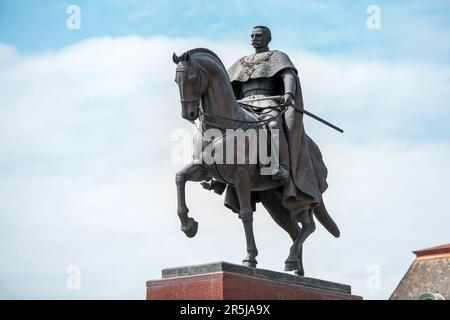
pixel 226 281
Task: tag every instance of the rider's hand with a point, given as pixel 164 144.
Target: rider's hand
pixel 287 99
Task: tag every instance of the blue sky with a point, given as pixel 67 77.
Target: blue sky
pixel 87 119
pixel 412 31
pixel 325 26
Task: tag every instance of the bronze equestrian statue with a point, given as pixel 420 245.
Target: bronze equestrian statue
pixel 243 97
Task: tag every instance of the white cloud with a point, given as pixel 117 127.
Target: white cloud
pixel 86 179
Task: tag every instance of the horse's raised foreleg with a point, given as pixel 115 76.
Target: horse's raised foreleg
pixel 294 260
pixel 192 172
pixel 243 191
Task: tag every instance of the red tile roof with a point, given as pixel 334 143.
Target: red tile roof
pixel 439 250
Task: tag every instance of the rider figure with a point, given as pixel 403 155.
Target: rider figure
pixel 262 74
pixel 266 73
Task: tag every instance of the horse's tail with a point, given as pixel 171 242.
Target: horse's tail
pixel 324 218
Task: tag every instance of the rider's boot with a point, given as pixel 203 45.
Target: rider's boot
pixel 217 186
pixel 283 170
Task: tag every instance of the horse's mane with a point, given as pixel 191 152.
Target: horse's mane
pixel 207 51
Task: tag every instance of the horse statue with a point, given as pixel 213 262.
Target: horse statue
pixel 207 95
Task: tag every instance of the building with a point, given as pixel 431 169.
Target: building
pixel 428 277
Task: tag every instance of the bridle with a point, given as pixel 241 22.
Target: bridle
pixel 198 83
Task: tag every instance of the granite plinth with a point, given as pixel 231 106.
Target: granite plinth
pixel 226 281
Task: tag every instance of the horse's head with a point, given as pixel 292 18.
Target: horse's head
pixel 192 82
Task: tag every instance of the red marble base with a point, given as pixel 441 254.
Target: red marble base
pixel 225 285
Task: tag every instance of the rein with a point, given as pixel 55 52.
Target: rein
pixel 249 108
pixel 257 123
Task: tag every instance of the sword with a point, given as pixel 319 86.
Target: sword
pixel 302 111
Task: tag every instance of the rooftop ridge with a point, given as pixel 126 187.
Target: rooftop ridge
pixel 433 251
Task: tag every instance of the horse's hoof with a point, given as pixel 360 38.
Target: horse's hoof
pixel 292 266
pixel 250 264
pixel 191 227
pixel 300 272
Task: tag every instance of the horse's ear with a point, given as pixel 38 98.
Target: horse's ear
pixel 175 58
pixel 187 58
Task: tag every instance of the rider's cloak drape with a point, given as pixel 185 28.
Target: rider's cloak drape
pixel 308 171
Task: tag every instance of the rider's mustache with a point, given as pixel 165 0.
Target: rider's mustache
pixel 258 42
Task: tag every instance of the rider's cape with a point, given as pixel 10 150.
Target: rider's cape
pixel 308 171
